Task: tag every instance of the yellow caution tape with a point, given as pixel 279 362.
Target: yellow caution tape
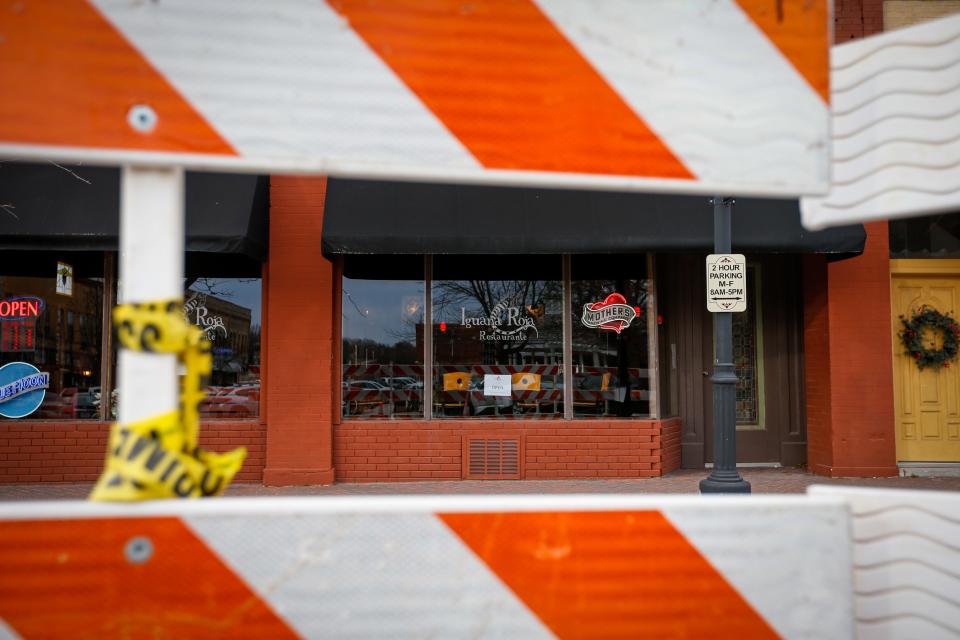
pixel 159 457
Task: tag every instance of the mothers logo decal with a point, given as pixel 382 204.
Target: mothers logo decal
pixel 613 313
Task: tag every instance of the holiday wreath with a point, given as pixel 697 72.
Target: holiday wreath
pixel 912 337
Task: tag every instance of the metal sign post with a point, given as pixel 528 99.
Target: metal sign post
pixel 724 478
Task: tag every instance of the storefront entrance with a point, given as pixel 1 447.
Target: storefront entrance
pixel 766 342
pixel 926 401
pixel 768 355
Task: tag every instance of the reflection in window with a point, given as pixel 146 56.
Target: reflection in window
pixel 611 370
pixel 58 333
pixel 228 312
pixel 497 336
pixel 936 236
pixel 383 344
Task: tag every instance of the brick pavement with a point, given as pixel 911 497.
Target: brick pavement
pixel 683 481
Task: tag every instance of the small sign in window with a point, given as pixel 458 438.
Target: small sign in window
pixel 64 279
pixel 496 385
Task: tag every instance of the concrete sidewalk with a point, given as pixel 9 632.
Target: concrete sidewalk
pixel 683 481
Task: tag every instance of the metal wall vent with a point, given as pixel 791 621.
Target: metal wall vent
pixel 492 458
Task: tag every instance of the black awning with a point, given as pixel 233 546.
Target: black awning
pixel 77 208
pixel 374 217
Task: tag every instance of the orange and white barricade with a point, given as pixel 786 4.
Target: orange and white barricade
pixel 419 567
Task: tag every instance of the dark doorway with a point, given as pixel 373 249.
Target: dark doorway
pixel 768 355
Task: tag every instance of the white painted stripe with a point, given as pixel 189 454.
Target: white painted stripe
pixel 906 575
pixel 287 78
pixel 368 576
pixel 710 84
pixel 7 632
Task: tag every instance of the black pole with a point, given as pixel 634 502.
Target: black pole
pixel 724 478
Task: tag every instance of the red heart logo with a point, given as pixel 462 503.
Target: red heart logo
pixel 613 298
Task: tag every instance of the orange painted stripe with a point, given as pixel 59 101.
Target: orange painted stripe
pixel 71 78
pixel 800 29
pixel 503 79
pixel 609 575
pixel 71 579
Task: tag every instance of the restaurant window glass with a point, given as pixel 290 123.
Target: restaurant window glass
pixel 497 336
pixel 228 311
pixel 382 311
pixel 223 297
pixel 611 354
pixel 51 311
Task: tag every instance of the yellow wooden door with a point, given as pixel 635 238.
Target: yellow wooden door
pixel 926 402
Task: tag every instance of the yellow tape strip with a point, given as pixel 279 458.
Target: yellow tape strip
pixel 159 457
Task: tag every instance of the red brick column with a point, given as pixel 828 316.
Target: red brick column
pixel 849 368
pixel 816 360
pixel 864 440
pixel 299 337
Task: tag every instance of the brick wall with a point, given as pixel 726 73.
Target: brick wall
pixel 377 451
pixel 856 18
pixel 816 359
pixel 670 432
pixel 299 337
pixel 74 451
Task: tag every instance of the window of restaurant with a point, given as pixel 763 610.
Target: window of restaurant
pixel 382 311
pixel 51 310
pixel 228 312
pixel 222 296
pixel 500 328
pixel 611 351
pixel 497 336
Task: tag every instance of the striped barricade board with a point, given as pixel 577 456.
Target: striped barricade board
pixel 906 561
pixel 896 127
pixel 429 567
pixel 699 96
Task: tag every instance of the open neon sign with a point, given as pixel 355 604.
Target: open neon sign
pixel 18 323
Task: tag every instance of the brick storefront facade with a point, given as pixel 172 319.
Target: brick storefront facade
pixel 41 451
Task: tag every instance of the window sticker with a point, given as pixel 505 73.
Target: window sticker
pixel 22 389
pixel 508 321
pixel 611 314
pixel 196 311
pixel 497 385
pixel 64 279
